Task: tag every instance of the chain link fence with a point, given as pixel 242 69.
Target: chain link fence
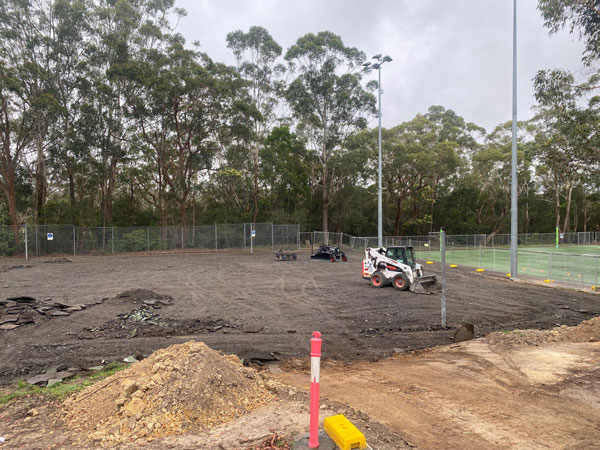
pixel 575 263
pixel 44 240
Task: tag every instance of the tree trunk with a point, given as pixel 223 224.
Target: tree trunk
pixel 72 194
pixel 40 180
pixel 111 187
pixel 566 223
pixel 325 199
pixel 183 210
pixel 557 203
pixel 585 213
pixel 398 217
pixel 255 191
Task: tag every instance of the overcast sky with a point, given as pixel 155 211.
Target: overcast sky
pixel 454 53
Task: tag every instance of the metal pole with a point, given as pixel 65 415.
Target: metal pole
pixel 514 269
pixel 182 238
pixel 26 250
pixel 112 239
pixel 216 242
pixel 251 238
pixel 73 240
pixel 37 251
pixel 443 258
pixel 379 205
pixel 272 237
pixel 550 266
pixel 244 236
pixel 582 269
pixel 148 239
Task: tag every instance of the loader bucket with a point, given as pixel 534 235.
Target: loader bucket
pixel 425 285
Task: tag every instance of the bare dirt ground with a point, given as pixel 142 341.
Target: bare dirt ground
pixel 256 307
pixel 264 311
pixel 474 396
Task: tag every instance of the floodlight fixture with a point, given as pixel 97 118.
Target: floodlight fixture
pixel 367 64
pixel 377 56
pixel 376 66
pixel 387 59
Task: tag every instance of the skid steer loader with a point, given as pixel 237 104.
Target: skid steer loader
pixel 397 266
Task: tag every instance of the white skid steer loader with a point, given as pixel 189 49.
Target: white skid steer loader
pixel 397 266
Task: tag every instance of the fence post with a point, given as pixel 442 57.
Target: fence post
pixel 298 240
pixel 244 236
pixel 272 237
pixel 494 248
pixel 26 250
pixel 443 258
pixel 37 252
pixel 147 239
pixel 596 278
pixel 550 266
pixel 582 266
pixel 480 255
pixel 216 244
pixel 112 239
pixel 73 239
pixel 182 238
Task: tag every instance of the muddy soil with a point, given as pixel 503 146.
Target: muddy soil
pixel 261 309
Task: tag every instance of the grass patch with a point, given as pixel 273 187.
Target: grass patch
pixel 62 390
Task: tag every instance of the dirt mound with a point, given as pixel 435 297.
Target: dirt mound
pixel 587 331
pixel 58 261
pixel 140 295
pixel 183 388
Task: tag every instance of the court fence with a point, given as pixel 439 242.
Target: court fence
pixel 44 240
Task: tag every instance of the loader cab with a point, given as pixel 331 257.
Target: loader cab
pixel 405 255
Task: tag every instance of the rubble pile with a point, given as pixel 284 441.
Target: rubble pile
pixel 185 387
pixel 17 311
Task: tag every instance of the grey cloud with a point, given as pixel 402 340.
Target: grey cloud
pixel 455 53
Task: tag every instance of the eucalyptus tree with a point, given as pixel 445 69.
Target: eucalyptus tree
pixel 491 173
pixel 285 169
pixel 568 135
pixel 186 109
pixel 256 54
pixel 26 34
pixel 327 98
pixel 582 16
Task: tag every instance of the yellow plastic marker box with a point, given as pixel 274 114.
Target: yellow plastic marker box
pixel 345 435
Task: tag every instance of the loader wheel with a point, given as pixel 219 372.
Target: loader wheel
pixel 332 259
pixel 377 279
pixel 344 258
pixel 400 282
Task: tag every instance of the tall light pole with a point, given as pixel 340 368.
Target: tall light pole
pixel 514 223
pixel 377 66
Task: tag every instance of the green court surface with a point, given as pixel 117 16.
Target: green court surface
pixel 572 264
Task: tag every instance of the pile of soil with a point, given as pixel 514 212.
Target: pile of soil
pixel 587 331
pixel 183 388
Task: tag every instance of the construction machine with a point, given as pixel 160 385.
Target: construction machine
pixel 397 266
pixel 329 253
